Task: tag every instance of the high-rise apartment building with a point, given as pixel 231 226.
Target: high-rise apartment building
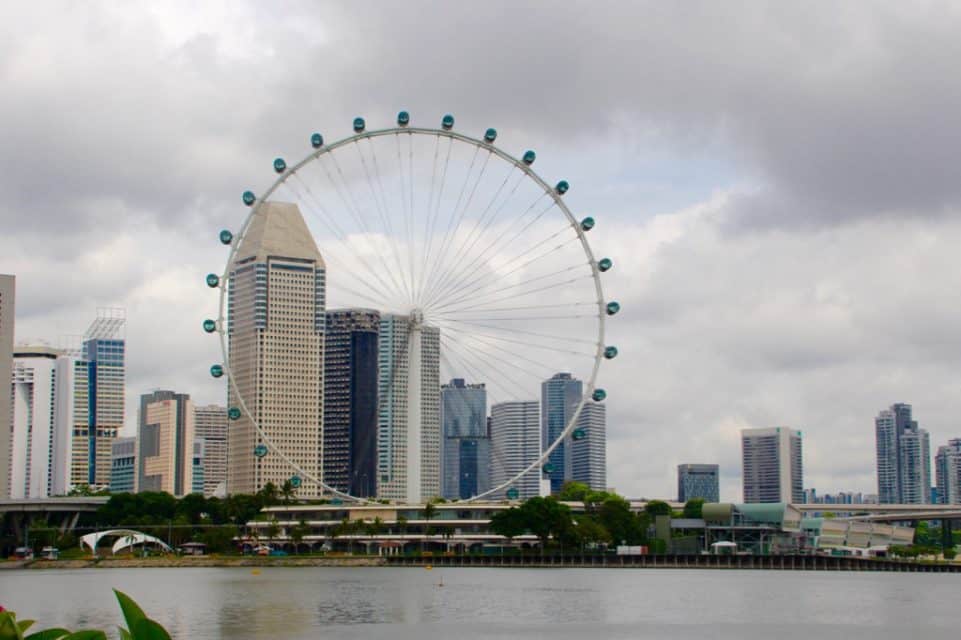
pixel 99 386
pixel 466 445
pixel 123 465
pixel 903 457
pixel 405 471
pixel 7 308
pixel 947 464
pixel 166 438
pixel 516 443
pixel 698 481
pixel 210 425
pixel 42 395
pixel 559 399
pixel 772 463
pixel 588 446
pixel 350 401
pixel 276 303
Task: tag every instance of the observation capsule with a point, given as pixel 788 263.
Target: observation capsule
pixel 210 326
pixel 562 187
pixel 249 198
pixel 548 468
pixel 279 165
pixel 604 264
pixel 359 124
pixel 316 141
pixel 216 370
pixel 490 135
pixel 579 434
pixel 529 157
pixel 403 119
pixel 447 122
pixel 587 223
pixel 599 395
pixel 610 352
pixel 233 413
pixel 336 501
pixel 213 280
pixel 295 481
pixel 226 237
pixel 260 450
pixel 613 307
pixel 513 493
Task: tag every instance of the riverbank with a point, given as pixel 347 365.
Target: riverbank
pixel 198 561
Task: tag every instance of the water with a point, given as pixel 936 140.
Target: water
pixel 402 603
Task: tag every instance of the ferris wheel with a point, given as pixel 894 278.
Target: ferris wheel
pixel 476 270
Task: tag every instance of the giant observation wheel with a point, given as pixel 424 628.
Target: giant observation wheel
pixel 481 272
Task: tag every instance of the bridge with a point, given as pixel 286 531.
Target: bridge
pixel 887 512
pixel 61 513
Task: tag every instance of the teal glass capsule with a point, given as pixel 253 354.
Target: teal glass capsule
pixel 529 157
pixel 490 135
pixel 279 165
pixel 587 223
pixel 610 352
pixel 513 493
pixel 316 141
pixel 213 280
pixel 548 468
pixel 359 125
pixel 599 395
pixel 226 237
pixel 579 434
pixel 249 198
pixel 604 264
pixel 210 326
pixel 260 450
pixel 295 481
pixel 403 119
pixel 336 501
pixel 216 371
pixel 233 413
pixel 562 187
pixel 613 307
pixel 447 122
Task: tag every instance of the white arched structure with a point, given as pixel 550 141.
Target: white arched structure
pixel 125 538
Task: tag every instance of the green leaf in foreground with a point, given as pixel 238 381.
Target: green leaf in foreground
pixel 147 629
pixel 132 612
pixel 89 634
pixel 49 634
pixel 25 624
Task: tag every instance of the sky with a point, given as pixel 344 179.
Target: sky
pixel 778 184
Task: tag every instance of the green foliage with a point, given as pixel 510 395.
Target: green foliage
pixel 694 508
pixel 614 514
pixel 509 523
pixel 140 626
pixel 657 508
pixel 546 517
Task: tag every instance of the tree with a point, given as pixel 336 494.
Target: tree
pixel 219 539
pixel 546 517
pixel 615 515
pixel 657 508
pixel 430 510
pixel 273 529
pixel 573 491
pixel 509 523
pixel 287 491
pixel 297 533
pixel 268 494
pixel 587 531
pixel 694 508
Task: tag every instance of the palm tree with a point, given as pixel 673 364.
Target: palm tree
pixel 430 510
pixel 287 491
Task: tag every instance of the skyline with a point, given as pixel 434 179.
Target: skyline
pixel 695 177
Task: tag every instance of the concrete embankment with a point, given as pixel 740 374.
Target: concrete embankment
pixel 204 561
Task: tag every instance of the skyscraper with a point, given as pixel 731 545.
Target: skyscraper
pixel 405 471
pixel 99 386
pixel 123 465
pixel 42 393
pixel 515 443
pixel 773 470
pixel 698 481
pixel 276 300
pixel 210 425
pixel 947 464
pixel 350 401
pixel 7 300
pixel 466 443
pixel 589 447
pixel 903 457
pixel 166 437
pixel 559 399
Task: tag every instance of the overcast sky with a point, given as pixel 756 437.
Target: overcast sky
pixel 779 186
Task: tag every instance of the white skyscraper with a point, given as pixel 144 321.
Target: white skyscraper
pixel 210 425
pixel 589 447
pixel 7 299
pixel 903 457
pixel 772 460
pixel 947 464
pixel 42 395
pixel 408 456
pixel 516 443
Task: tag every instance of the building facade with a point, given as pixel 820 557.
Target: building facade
pixel 466 445
pixel 99 388
pixel 698 481
pixel 772 465
pixel 515 443
pixel 7 313
pixel 42 397
pixel 166 436
pixel 350 401
pixel 947 464
pixel 589 447
pixel 123 465
pixel 559 399
pixel 903 457
pixel 276 298
pixel 210 425
pixel 406 472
